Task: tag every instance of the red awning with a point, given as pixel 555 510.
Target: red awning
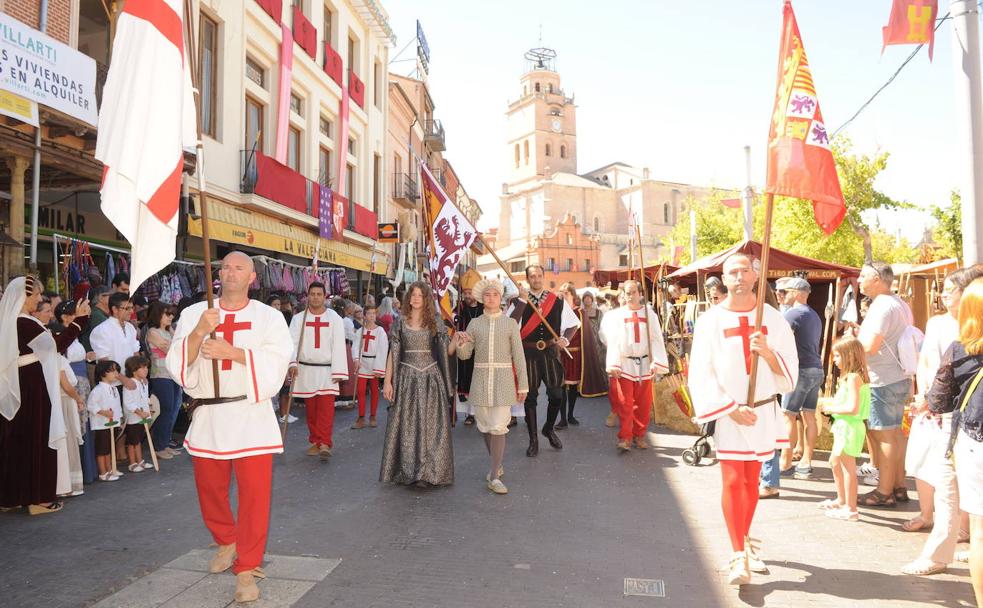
pixel 780 263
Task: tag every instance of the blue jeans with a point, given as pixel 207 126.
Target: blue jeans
pixel 806 393
pixel 771 471
pixel 168 392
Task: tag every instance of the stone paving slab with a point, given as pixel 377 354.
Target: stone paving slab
pixel 185 583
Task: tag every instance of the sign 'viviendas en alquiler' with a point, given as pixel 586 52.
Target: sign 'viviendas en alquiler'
pixel 46 71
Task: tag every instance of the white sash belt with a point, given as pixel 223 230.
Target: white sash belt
pixel 27 359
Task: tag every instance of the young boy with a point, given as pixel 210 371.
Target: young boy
pixel 104 415
pixel 370 350
pixel 136 402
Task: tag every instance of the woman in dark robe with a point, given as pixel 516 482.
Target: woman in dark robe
pixel 29 425
pixel 583 372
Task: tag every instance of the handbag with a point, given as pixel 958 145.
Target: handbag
pixel 926 436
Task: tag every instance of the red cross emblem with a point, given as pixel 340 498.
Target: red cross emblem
pixel 317 325
pixel 636 320
pixel 228 328
pixel 744 330
pixel 367 341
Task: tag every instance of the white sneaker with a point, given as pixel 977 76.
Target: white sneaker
pixel 843 513
pixel 755 563
pixel 136 467
pixel 871 480
pixel 867 469
pixel 108 476
pixel 739 573
pixel 290 419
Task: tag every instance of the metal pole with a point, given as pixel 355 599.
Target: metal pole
pixel 969 129
pixel 748 198
pixel 36 182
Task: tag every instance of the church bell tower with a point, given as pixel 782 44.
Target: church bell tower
pixel 542 123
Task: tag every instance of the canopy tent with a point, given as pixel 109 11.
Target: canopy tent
pixel 921 286
pixel 780 264
pixel 614 276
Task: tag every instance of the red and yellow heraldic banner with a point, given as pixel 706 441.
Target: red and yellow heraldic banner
pixel 800 162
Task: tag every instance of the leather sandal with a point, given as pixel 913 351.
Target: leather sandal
pixel 901 495
pixel 876 499
pixel 51 507
pixel 923 567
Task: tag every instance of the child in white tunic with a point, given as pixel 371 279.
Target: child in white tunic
pixel 136 402
pixel 105 413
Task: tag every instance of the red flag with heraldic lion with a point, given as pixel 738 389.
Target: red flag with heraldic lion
pixel 800 161
pixel 912 22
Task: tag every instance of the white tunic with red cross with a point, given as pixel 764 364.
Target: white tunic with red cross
pixel 634 342
pixel 720 372
pixel 224 431
pixel 323 361
pixel 370 349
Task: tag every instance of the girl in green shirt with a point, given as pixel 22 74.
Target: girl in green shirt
pixel 849 408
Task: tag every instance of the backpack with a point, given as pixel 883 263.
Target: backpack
pixel 909 347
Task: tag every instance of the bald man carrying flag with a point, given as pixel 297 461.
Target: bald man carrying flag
pixel 236 430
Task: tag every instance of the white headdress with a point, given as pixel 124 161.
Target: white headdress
pixel 478 291
pixel 11 306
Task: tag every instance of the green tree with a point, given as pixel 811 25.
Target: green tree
pixel 948 231
pixel 794 228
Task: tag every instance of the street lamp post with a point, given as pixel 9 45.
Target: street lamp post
pixel 969 125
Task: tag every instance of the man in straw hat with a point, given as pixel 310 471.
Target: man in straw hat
pixel 500 377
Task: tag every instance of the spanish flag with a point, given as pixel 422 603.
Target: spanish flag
pixel 800 162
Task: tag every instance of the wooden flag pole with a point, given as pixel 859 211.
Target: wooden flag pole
pixel 645 307
pixel 150 444
pixel 516 283
pixel 300 345
pixel 192 57
pixel 762 289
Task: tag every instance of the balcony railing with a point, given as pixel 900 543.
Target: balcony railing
pixel 405 188
pixel 264 176
pixel 434 134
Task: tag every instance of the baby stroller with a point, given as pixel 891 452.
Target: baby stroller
pixel 701 447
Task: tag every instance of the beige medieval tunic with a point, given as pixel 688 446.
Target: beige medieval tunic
pixel 499 363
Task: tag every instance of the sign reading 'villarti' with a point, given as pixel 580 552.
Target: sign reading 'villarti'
pixel 43 70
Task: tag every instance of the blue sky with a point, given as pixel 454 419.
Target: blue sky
pixel 683 86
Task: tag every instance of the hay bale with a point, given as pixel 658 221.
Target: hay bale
pixel 665 412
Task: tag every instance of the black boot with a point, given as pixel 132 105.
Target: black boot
pixel 533 449
pixel 552 409
pixel 572 394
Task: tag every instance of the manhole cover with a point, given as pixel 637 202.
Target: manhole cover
pixel 646 587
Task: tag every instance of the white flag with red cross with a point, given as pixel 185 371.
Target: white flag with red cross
pixel 146 121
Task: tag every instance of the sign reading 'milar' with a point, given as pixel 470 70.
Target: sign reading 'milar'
pixel 46 71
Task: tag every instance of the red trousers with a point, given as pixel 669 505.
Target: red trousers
pixel 632 401
pixel 320 419
pixel 739 497
pixel 254 479
pixel 360 395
